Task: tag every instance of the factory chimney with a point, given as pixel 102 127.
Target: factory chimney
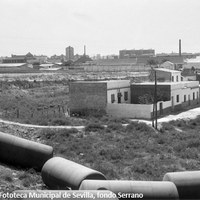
pixel 84 50
pixel 179 47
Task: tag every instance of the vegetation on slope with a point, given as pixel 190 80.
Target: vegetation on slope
pixel 135 152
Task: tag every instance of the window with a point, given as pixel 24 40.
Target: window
pixel 193 96
pixel 176 78
pixel 112 98
pixel 184 98
pixel 177 98
pixel 125 96
pixel 172 78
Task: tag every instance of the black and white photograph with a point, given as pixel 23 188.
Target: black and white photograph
pixel 99 99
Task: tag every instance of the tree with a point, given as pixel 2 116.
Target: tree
pixel 148 98
pixel 152 62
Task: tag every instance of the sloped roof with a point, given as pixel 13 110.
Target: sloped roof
pixel 83 59
pixel 166 70
pixel 167 62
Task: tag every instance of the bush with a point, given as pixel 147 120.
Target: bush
pixel 57 135
pixel 166 127
pixel 60 122
pixel 107 168
pixel 114 126
pixel 7 177
pixel 138 126
pixel 189 153
pixel 110 154
pixel 94 127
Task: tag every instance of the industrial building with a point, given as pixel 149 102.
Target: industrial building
pixel 136 53
pixel 28 58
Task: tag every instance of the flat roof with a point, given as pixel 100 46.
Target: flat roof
pixel 164 83
pixel 167 70
pixel 101 81
pixel 12 64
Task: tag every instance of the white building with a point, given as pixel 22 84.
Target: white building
pixel 120 98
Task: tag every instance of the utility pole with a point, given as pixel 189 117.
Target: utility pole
pixel 155 102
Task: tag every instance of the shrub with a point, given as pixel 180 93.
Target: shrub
pixel 166 127
pixel 193 143
pixel 189 153
pixel 94 127
pixel 115 126
pixel 60 122
pixel 138 126
pixel 110 154
pixel 7 177
pixel 107 168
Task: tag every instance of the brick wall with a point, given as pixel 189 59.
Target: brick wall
pixel 87 96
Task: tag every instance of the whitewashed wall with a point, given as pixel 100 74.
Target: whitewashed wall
pixel 130 110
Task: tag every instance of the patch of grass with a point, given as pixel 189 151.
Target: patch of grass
pixel 30 178
pixel 94 127
pixel 166 127
pixel 114 127
pixel 138 126
pixel 7 177
pixel 60 122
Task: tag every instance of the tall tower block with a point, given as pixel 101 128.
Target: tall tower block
pixel 179 47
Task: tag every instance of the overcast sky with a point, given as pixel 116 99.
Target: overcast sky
pixel 104 26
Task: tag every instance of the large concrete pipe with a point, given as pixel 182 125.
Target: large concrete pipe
pixel 134 189
pixel 187 183
pixel 61 195
pixel 22 152
pixel 59 173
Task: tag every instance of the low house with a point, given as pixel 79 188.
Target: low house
pixel 121 98
pixel 165 75
pixel 96 95
pixel 28 58
pixel 16 67
pixel 168 65
pixel 50 67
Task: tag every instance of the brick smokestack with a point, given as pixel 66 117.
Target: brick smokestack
pixel 84 50
pixel 179 47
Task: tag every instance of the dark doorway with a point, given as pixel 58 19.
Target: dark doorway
pixel 161 108
pixel 119 95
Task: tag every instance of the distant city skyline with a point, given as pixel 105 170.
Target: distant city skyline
pixel 47 27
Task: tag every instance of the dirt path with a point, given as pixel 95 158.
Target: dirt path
pixel 190 114
pixel 38 126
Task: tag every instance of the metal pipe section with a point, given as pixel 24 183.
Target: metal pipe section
pixel 60 173
pixel 21 152
pixel 62 194
pixel 187 183
pixel 134 189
